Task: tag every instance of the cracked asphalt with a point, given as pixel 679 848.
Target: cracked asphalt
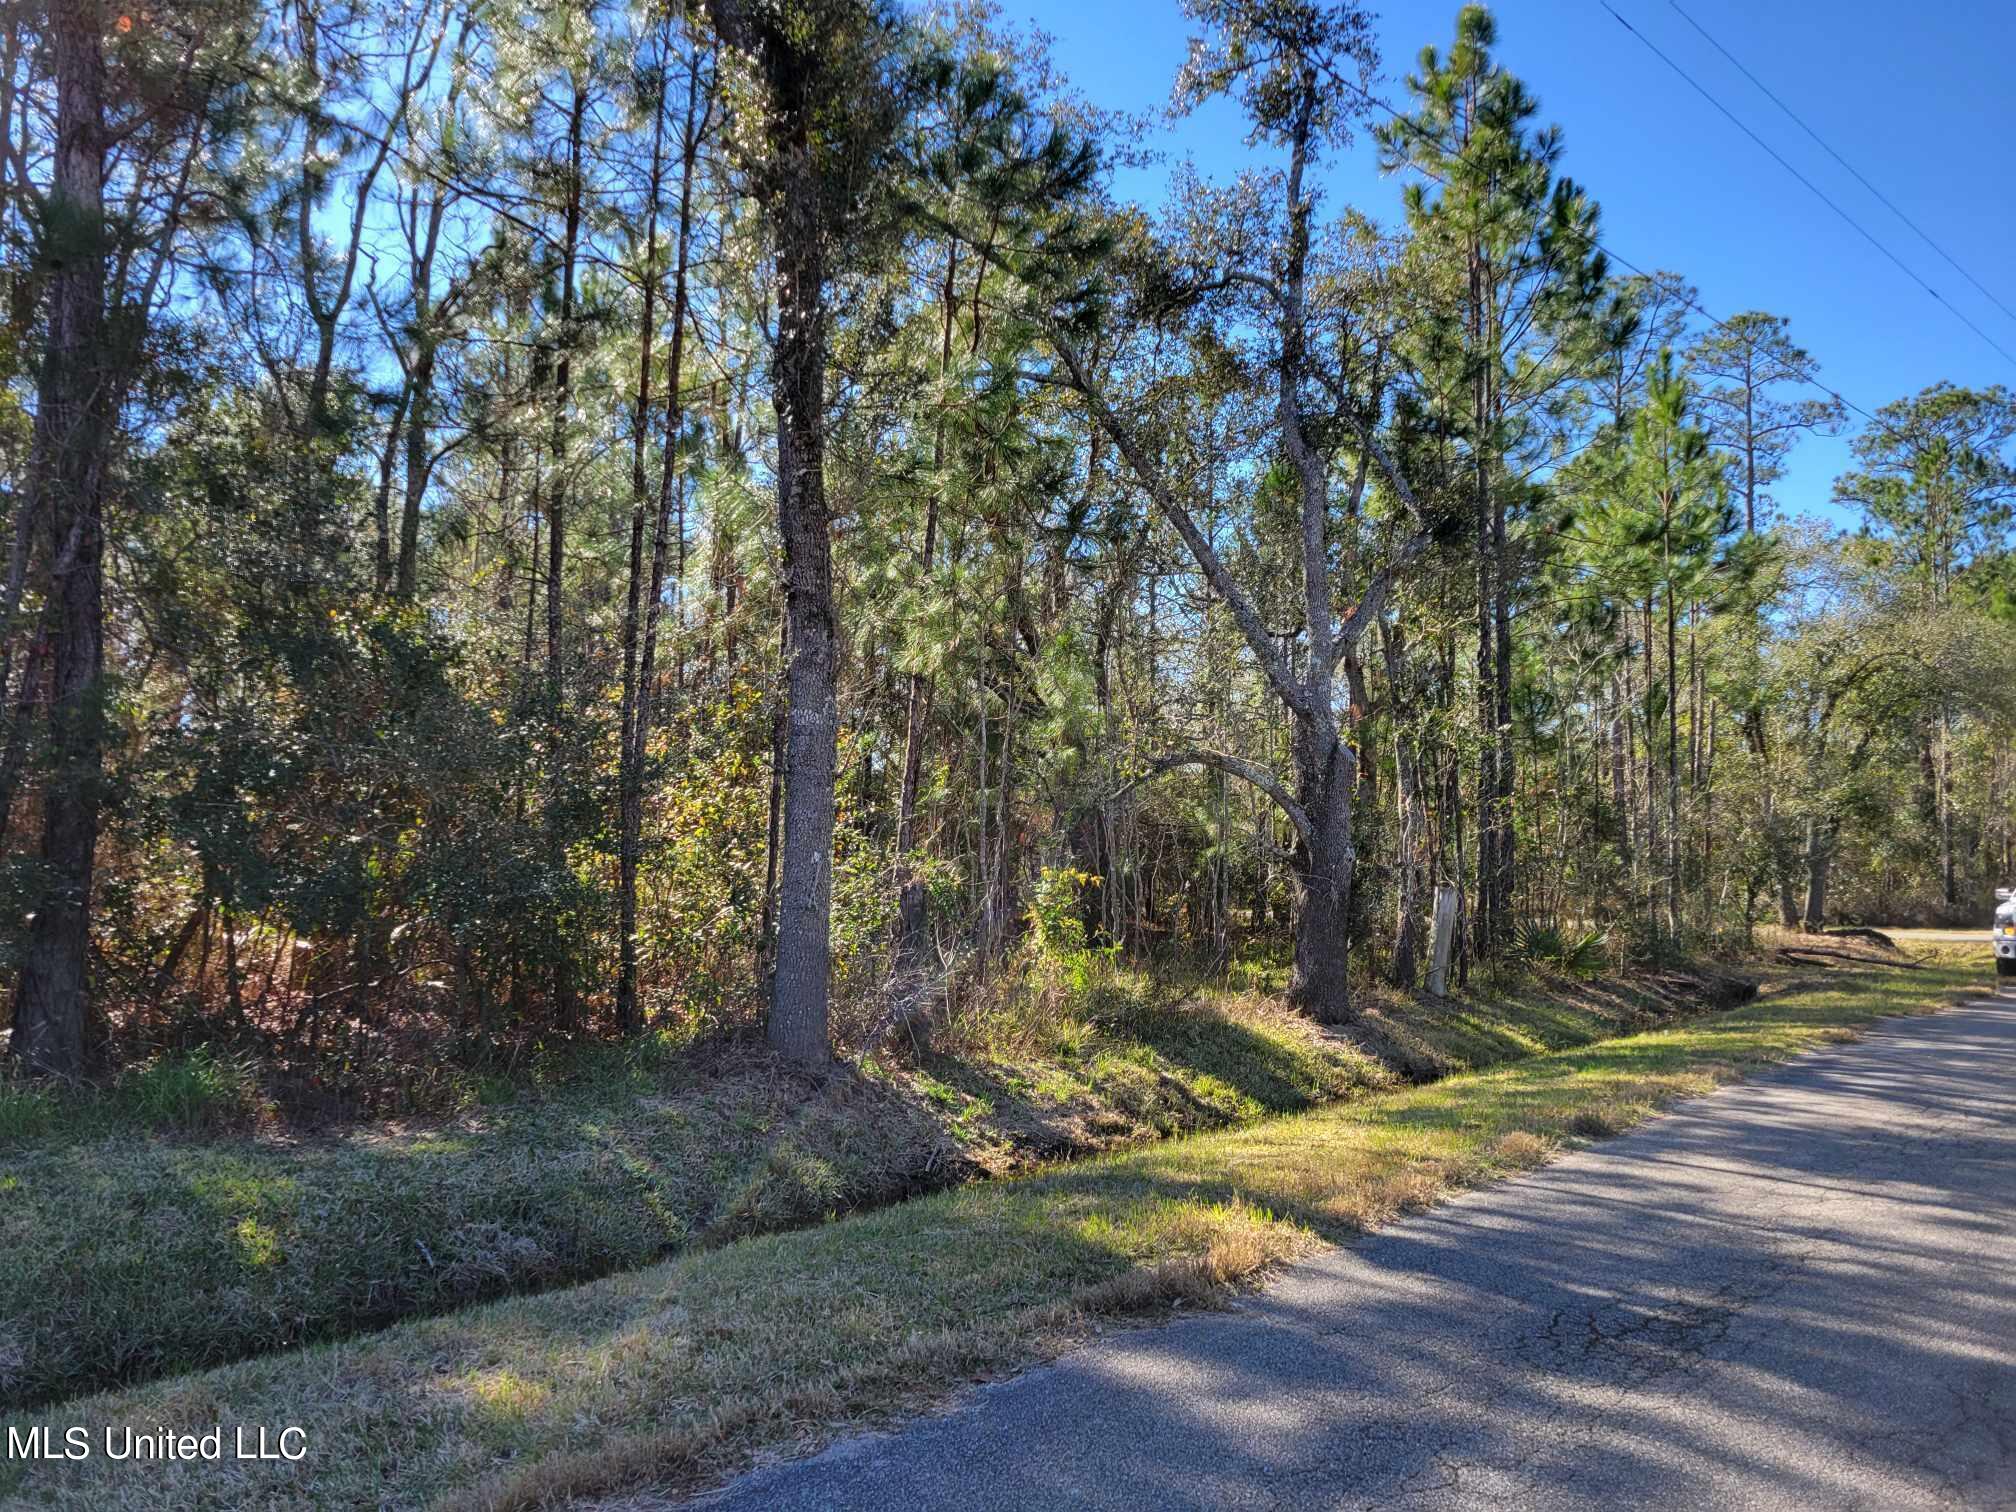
pixel 1797 1292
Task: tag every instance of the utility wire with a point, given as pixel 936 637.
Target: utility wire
pixel 1817 192
pixel 1923 235
pixel 1804 375
pixel 1692 303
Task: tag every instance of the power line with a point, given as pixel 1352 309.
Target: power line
pixel 1815 189
pixel 1713 319
pixel 1694 304
pixel 1923 235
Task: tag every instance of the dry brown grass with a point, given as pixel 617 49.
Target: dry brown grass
pixel 1520 1148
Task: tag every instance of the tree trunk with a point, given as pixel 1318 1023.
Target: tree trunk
pixel 1819 862
pixel 796 195
pixel 798 1003
pixel 647 586
pixel 565 1008
pixel 421 254
pixel 31 691
pixel 1320 982
pixel 1410 870
pixel 1788 899
pixel 164 975
pixel 766 922
pixel 910 917
pixel 1410 883
pixel 668 549
pixel 1749 449
pixel 1949 880
pixel 557 485
pixel 1504 852
pixel 1484 922
pixel 381 512
pixel 1654 847
pixel 1672 770
pixel 73 424
pixel 629 779
pixel 1620 761
pixel 419 435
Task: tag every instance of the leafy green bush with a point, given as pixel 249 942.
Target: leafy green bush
pixel 1055 909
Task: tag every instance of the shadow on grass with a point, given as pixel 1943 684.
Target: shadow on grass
pixel 1792 1300
pixel 676 1373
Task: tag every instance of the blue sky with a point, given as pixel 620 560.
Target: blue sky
pixel 1919 98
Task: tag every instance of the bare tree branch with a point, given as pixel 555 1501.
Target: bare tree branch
pixel 1233 766
pixel 1370 442
pixel 1373 603
pixel 1279 674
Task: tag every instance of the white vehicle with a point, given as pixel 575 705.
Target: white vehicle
pixel 2004 932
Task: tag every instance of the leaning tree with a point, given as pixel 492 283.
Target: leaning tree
pixel 1250 278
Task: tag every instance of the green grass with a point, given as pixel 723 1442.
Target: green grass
pixel 1521 1015
pixel 189 1092
pixel 1505 1014
pixel 133 1255
pixel 679 1372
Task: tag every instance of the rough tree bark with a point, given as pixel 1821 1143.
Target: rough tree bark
pixel 381 509
pixel 565 1006
pixel 807 194
pixel 1409 857
pixel 629 779
pixel 418 438
pixel 1820 838
pixel 798 1006
pixel 910 915
pixel 67 467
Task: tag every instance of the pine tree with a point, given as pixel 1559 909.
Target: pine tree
pixel 1522 329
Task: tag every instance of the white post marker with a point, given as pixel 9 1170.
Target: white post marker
pixel 1445 929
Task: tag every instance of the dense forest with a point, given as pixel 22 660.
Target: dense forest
pixel 552 521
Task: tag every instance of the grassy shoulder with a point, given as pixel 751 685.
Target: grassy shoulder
pixel 1422 1038
pixel 674 1373
pixel 146 1240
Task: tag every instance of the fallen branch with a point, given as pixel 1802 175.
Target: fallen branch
pixel 1820 955
pixel 1861 932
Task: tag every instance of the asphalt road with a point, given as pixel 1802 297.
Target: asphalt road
pixel 1799 1292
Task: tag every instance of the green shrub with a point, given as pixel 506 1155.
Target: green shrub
pixel 1055 909
pixel 1577 953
